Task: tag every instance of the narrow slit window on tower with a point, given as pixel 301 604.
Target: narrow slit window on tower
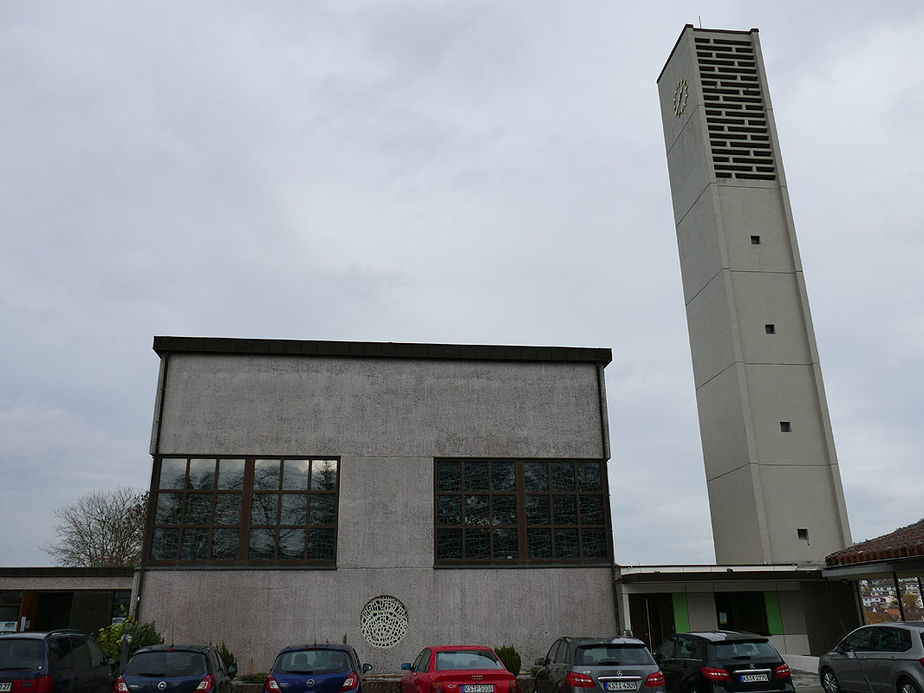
pixel 755 240
pixel 802 533
pixel 770 328
pixel 785 426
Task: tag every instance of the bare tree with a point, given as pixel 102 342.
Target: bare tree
pixel 103 529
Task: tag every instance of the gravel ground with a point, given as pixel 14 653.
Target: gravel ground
pixel 806 682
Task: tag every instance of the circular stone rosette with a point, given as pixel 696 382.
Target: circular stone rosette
pixel 383 621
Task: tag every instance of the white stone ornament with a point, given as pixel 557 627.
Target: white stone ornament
pixel 383 621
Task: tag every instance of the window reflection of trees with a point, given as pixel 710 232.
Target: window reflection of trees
pixel 292 509
pixel 485 508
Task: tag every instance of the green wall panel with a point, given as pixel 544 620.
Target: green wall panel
pixel 681 613
pixel 774 617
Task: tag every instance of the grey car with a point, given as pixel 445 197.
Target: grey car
pixel 574 665
pixel 878 658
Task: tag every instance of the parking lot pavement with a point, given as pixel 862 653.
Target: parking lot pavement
pixel 806 682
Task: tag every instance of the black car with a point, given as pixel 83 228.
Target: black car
pixel 59 661
pixel 604 664
pixel 317 668
pixel 176 669
pixel 722 661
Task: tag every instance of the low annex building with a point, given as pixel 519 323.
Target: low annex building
pixel 389 495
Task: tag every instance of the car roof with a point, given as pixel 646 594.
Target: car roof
pixel 727 635
pixel 912 624
pixel 322 646
pixel 447 648
pixel 619 640
pixel 202 649
pixel 41 635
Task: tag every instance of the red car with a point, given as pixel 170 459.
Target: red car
pixel 457 669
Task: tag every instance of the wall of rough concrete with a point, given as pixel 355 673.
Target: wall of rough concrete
pixel 386 419
pixel 258 612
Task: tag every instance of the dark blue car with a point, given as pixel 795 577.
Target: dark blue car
pixel 317 669
pixel 175 669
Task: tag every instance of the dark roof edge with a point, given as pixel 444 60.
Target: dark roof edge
pixel 392 350
pixel 768 576
pixel 690 26
pixel 60 571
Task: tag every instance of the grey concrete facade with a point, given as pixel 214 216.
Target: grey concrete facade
pixel 386 412
pixel 773 480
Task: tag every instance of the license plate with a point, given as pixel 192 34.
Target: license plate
pixel 621 685
pixel 755 678
pixel 478 688
pixel 6 686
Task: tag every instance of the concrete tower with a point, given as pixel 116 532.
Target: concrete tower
pixel 775 492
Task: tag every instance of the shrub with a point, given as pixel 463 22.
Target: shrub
pixel 227 656
pixel 255 677
pixel 510 657
pixel 143 635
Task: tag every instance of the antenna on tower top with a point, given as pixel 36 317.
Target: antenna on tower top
pixel 700 21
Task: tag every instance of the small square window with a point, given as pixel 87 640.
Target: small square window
pixel 755 240
pixel 802 533
pixel 785 426
pixel 770 328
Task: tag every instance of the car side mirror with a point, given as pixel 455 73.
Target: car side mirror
pixel 232 671
pixel 110 661
pixel 406 666
pixel 541 662
pixel 368 667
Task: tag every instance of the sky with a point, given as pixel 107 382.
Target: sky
pixel 420 171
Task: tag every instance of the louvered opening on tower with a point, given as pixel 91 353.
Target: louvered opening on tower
pixel 739 134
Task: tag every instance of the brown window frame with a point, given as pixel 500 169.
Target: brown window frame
pixel 452 520
pixel 248 488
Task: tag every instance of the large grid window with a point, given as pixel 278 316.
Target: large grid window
pixel 521 511
pixel 245 510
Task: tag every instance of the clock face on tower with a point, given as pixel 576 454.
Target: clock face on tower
pixel 680 97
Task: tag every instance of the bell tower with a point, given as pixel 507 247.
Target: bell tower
pixel 775 493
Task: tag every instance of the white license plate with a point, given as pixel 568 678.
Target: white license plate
pixel 6 686
pixel 755 678
pixel 621 685
pixel 478 688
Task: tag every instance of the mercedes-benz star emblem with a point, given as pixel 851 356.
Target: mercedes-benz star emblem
pixel 162 686
pixel 618 673
pixel 752 665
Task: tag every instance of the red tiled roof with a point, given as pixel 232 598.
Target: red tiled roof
pixel 903 542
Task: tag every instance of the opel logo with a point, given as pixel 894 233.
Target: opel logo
pixel 310 683
pixel 162 686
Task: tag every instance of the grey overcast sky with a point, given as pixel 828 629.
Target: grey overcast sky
pixel 471 171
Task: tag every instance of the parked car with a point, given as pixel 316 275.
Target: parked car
pixel 457 669
pixel 175 669
pixel 879 658
pixel 59 661
pixel 614 664
pixel 317 669
pixel 722 661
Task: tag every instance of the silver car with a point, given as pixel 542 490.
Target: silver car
pixel 604 665
pixel 878 658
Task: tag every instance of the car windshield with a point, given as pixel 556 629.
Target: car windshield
pixel 449 660
pixel 312 662
pixel 167 664
pixel 21 653
pixel 612 655
pixel 744 650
